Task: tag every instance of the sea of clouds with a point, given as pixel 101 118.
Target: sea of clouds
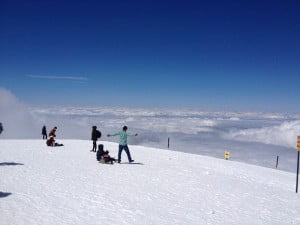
pixel 252 137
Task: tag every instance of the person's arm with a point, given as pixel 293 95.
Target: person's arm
pixel 129 134
pixel 116 134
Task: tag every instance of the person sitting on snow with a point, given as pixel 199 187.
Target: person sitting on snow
pixel 51 142
pixel 103 156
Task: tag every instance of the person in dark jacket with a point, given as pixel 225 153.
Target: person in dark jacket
pixel 1 128
pixel 52 132
pixel 95 135
pixel 103 156
pixel 44 132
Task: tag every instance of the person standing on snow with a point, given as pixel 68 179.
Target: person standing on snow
pixel 1 128
pixel 123 143
pixel 95 135
pixel 44 132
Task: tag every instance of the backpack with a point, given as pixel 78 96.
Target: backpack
pixel 98 134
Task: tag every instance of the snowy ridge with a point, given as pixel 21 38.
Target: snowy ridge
pixel 67 186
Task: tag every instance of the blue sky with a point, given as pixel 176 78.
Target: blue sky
pixel 235 55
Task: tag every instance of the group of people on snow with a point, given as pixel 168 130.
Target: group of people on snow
pixel 52 134
pixel 102 155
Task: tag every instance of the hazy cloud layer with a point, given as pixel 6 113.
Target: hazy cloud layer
pixel 253 137
pixel 268 128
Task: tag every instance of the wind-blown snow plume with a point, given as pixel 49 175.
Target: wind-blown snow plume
pixel 17 120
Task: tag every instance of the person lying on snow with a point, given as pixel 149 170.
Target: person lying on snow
pixel 51 142
pixel 103 156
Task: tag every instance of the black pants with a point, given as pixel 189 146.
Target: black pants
pixel 109 159
pixel 56 144
pixel 44 136
pixel 94 145
pixel 125 147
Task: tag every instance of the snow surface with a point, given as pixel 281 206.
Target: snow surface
pixel 66 185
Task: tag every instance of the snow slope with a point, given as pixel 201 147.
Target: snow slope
pixel 66 185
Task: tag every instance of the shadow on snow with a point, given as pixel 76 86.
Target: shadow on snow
pixel 10 164
pixel 4 194
pixel 132 163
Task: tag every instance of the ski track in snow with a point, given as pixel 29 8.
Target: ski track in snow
pixel 66 185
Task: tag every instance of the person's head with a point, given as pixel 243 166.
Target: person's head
pixel 55 128
pixel 125 128
pixel 94 127
pixel 100 147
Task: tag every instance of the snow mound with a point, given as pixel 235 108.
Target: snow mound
pixel 66 185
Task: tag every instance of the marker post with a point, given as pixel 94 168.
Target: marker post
pixel 227 155
pixel 298 149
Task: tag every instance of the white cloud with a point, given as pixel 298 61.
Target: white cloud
pixel 59 77
pixel 284 135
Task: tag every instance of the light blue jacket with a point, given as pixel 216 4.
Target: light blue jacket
pixel 122 137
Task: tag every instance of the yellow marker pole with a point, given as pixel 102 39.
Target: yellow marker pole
pixel 298 150
pixel 227 155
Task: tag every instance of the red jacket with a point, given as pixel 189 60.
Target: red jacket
pixel 52 132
